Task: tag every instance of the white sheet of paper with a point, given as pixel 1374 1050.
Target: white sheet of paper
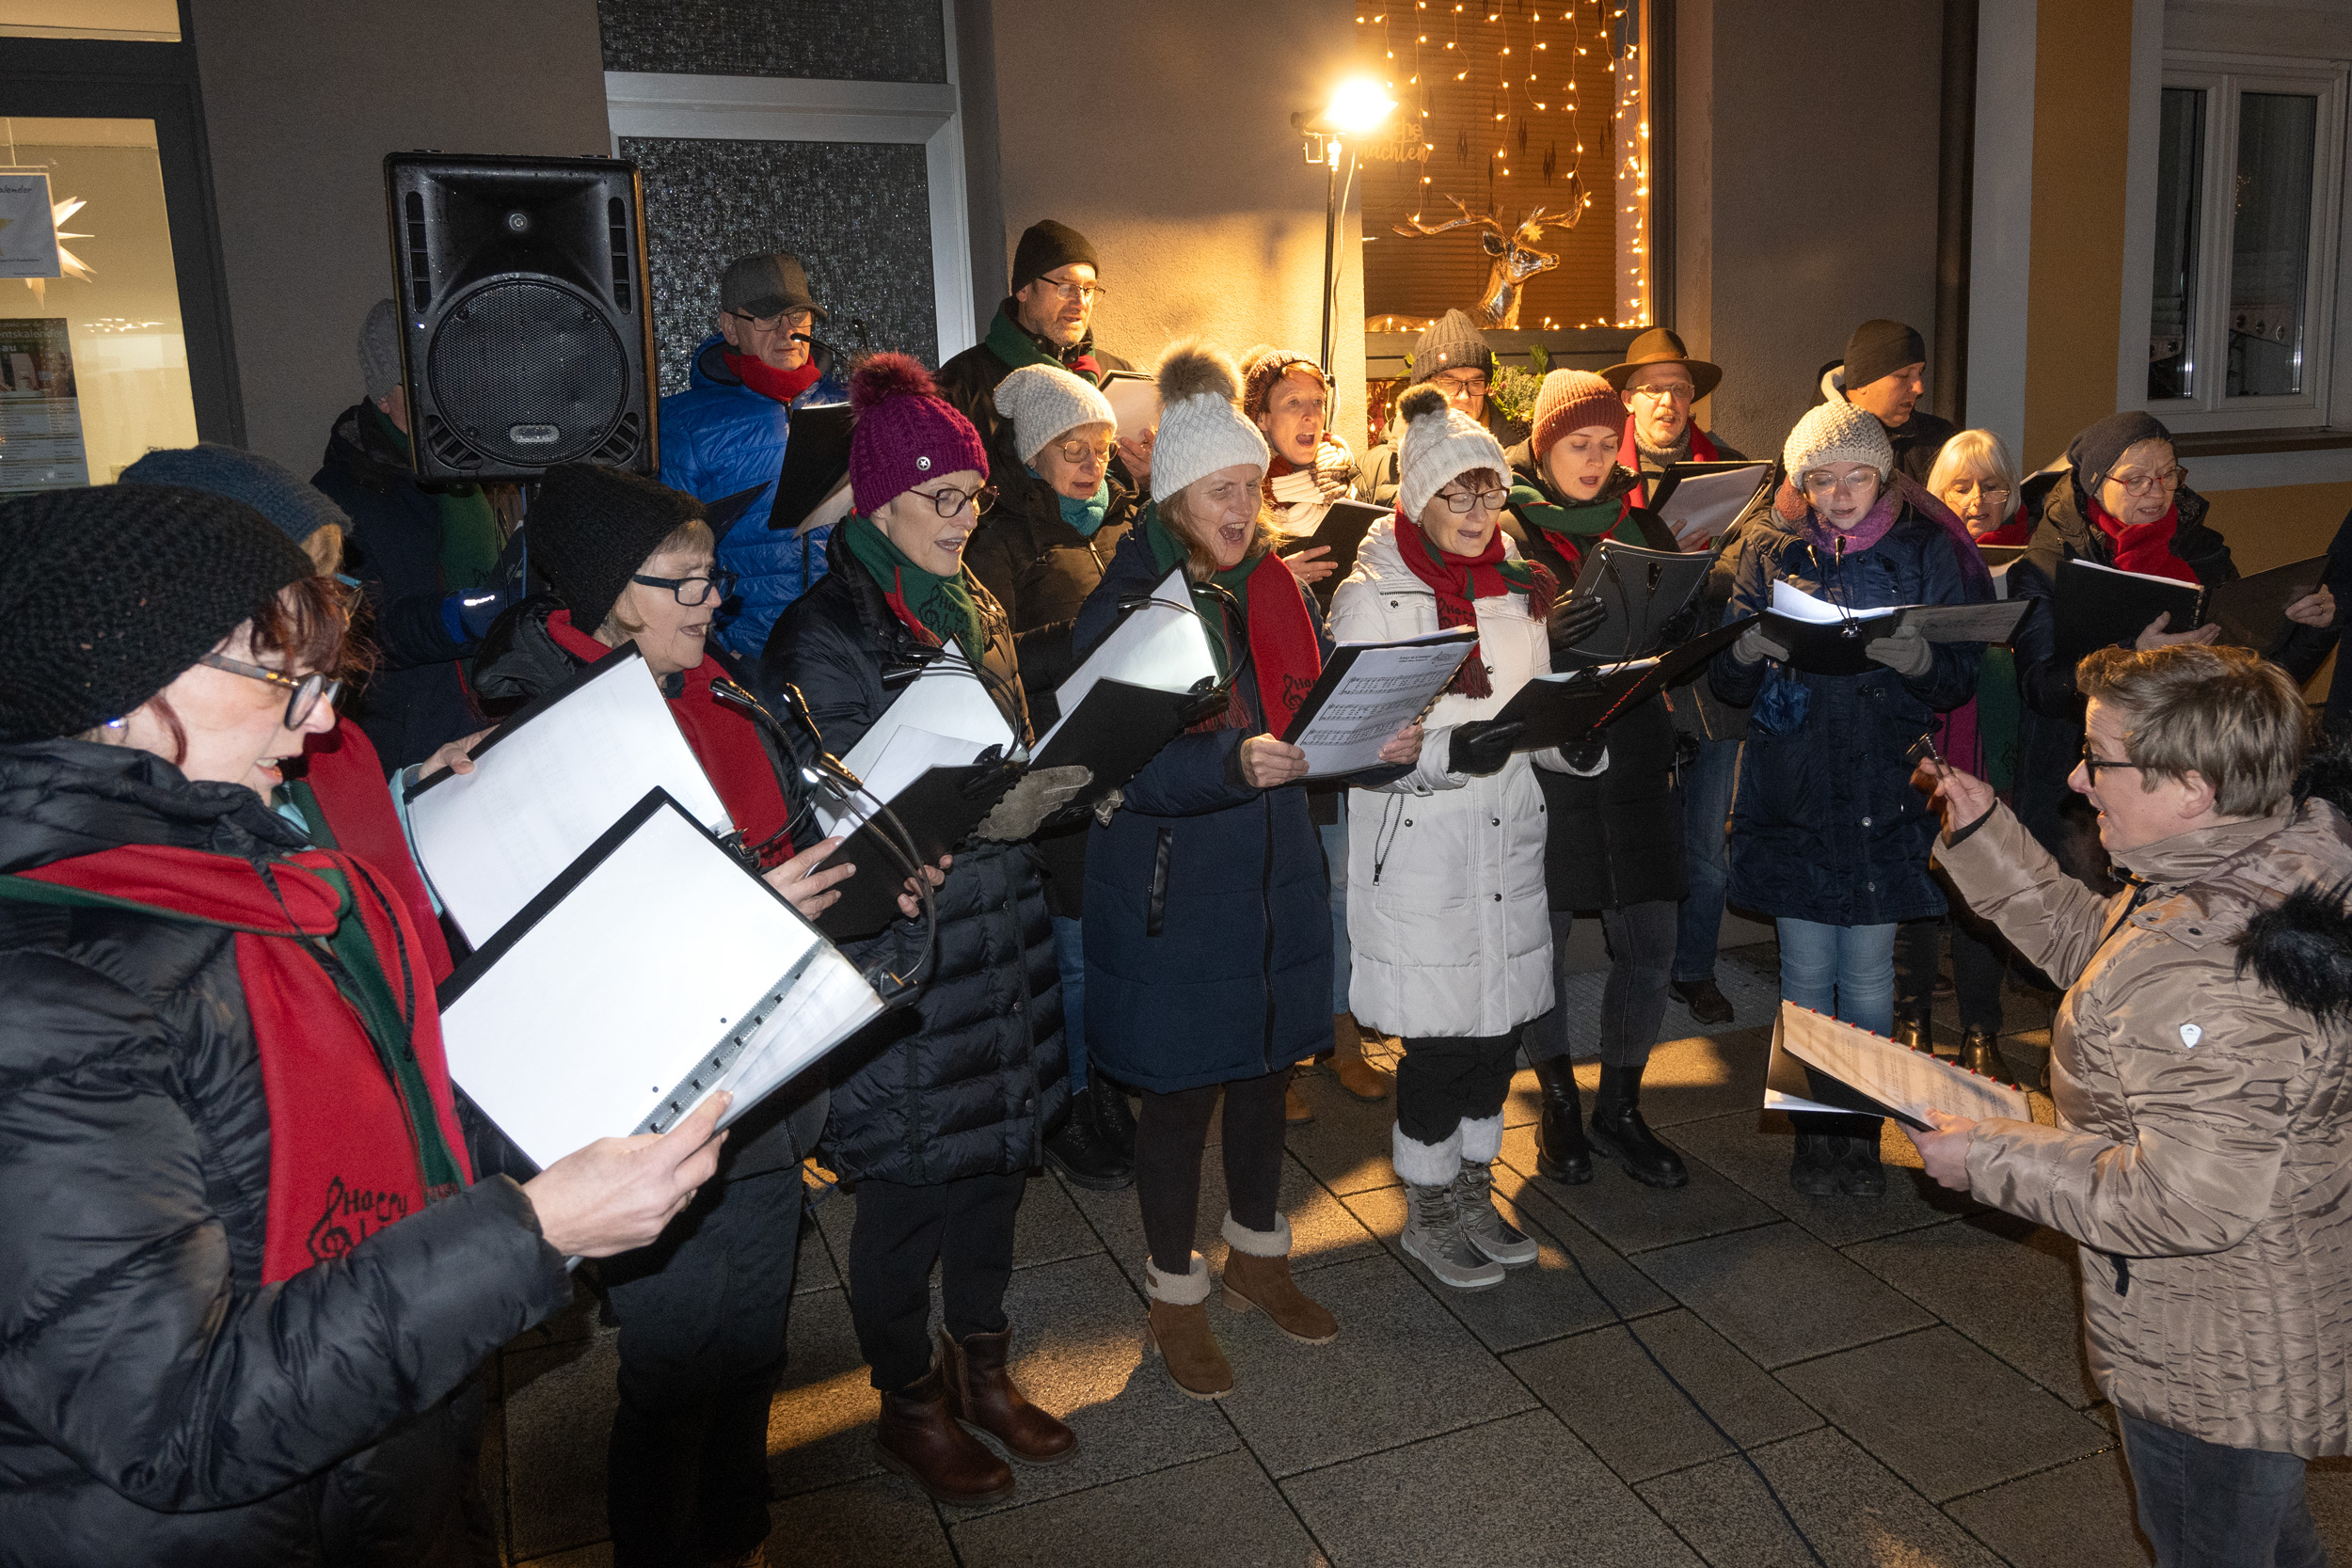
pixel 594 1015
pixel 1911 1082
pixel 905 757
pixel 1135 403
pixel 1797 605
pixel 490 840
pixel 1387 684
pixel 1162 646
pixel 947 699
pixel 1702 505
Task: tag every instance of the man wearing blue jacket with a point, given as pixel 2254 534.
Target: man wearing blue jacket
pixel 726 432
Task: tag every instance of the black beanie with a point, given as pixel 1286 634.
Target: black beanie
pixel 1880 348
pixel 592 528
pixel 2096 450
pixel 107 595
pixel 1047 246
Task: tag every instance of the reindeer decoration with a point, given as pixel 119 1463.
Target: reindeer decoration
pixel 1516 260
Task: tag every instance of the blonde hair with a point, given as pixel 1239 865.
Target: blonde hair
pixel 1200 560
pixel 2226 714
pixel 1979 454
pixel 690 534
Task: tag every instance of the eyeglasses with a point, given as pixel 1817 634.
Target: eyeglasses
pixel 1463 500
pixel 1458 385
pixel 1670 391
pixel 1822 483
pixel 1086 451
pixel 692 591
pixel 304 693
pixel 2148 485
pixel 950 500
pixel 799 321
pixel 2092 764
pixel 1083 292
pixel 1996 494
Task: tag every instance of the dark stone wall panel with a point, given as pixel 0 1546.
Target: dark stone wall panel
pixel 873 40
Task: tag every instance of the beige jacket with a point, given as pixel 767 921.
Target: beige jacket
pixel 2203 1150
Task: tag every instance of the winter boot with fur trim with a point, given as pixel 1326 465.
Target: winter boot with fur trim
pixel 1179 1330
pixel 1258 1274
pixel 1475 1197
pixel 1355 1075
pixel 982 1395
pixel 919 1440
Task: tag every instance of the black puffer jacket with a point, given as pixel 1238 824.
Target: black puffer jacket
pixel 158 1403
pixel 966 1081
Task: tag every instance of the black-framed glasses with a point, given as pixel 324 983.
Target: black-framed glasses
pixel 1463 500
pixel 303 692
pixel 950 500
pixel 799 321
pixel 692 591
pixel 2092 762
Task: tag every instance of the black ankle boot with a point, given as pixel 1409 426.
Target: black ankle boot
pixel 1813 1168
pixel 1561 1151
pixel 1915 1031
pixel 1981 1052
pixel 1081 1152
pixel 1619 1131
pixel 1114 1118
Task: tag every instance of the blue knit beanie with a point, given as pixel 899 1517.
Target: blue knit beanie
pixel 297 509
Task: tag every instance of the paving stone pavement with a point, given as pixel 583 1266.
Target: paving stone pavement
pixel 1906 1374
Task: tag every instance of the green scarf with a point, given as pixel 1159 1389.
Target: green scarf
pixel 1015 347
pixel 1535 499
pixel 943 607
pixel 470 530
pixel 1168 552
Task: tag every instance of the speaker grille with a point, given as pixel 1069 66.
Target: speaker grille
pixel 528 373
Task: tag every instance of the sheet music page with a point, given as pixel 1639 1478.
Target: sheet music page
pixel 905 757
pixel 1911 1082
pixel 1797 605
pixel 1162 645
pixel 581 1028
pixel 947 699
pixel 1387 684
pixel 490 840
pixel 1702 505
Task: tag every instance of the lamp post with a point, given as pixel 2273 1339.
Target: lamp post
pixel 1358 105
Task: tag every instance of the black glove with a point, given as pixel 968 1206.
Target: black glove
pixel 1572 620
pixel 1482 747
pixel 1684 626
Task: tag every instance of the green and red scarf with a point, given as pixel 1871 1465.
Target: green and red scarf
pixel 1576 527
pixel 1017 346
pixel 1461 581
pixel 363 1126
pixel 936 610
pixel 1285 651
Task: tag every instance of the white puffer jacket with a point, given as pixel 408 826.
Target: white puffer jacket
pixel 1446 909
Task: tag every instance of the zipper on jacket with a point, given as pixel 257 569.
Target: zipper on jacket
pixel 1265 923
pixel 1155 912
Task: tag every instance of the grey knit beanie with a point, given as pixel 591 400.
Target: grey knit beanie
pixel 1836 432
pixel 295 507
pixel 1441 444
pixel 1454 344
pixel 1202 428
pixel 379 350
pixel 1044 401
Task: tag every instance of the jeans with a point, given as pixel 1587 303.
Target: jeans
pixel 1634 998
pixel 2205 1506
pixel 1707 788
pixel 1070 956
pixel 1334 835
pixel 1848 973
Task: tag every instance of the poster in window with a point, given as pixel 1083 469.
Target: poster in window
pixel 41 416
pixel 28 229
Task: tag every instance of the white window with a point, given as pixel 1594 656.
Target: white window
pixel 2249 173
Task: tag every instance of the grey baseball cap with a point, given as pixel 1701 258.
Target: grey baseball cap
pixel 766 284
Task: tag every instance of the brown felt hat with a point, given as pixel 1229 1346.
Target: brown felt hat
pixel 1660 346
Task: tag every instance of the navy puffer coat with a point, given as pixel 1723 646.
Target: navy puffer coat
pixel 965 1082
pixel 1208 925
pixel 1825 826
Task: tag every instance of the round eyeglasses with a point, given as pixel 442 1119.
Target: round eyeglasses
pixel 950 500
pixel 303 692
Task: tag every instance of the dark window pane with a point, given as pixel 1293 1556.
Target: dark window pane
pixel 2172 311
pixel 2271 242
pixel 875 40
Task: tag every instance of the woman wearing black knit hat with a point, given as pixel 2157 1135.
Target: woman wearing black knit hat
pixel 2120 499
pixel 245 1273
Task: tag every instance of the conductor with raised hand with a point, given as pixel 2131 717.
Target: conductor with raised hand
pixel 245 1271
pixel 2199 1068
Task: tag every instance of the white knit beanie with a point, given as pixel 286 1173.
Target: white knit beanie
pixel 1202 428
pixel 1044 401
pixel 1440 443
pixel 1836 432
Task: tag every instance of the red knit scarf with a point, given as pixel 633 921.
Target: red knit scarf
pixel 1285 654
pixel 1460 581
pixel 347 1156
pixel 2147 548
pixel 346 779
pixel 769 382
pixel 723 740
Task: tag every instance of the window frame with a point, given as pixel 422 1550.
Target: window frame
pixel 2226 79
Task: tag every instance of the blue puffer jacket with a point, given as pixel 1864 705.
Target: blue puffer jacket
pixel 1826 825
pixel 719 437
pixel 1208 927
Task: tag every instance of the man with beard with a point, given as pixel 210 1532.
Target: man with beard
pixel 1048 320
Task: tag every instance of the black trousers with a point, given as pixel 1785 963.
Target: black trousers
pixel 1170 1135
pixel 965 1226
pixel 1641 940
pixel 702 1314
pixel 1979 963
pixel 1446 1080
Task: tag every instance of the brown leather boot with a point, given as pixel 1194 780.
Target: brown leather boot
pixel 1355 1075
pixel 919 1440
pixel 1179 1330
pixel 1258 1274
pixel 981 1394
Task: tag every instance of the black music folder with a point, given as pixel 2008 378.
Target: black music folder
pixel 1642 590
pixel 1826 639
pixel 1562 709
pixel 816 460
pixel 1116 729
pixel 2252 612
pixel 2104 607
pixel 1342 530
pixel 939 811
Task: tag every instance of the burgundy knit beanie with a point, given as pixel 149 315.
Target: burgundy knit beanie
pixel 905 433
pixel 1570 400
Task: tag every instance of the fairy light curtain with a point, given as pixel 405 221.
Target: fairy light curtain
pixel 1507 106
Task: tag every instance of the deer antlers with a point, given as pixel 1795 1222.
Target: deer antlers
pixel 1485 220
pixel 1528 229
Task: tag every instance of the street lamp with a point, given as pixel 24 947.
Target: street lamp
pixel 1356 106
